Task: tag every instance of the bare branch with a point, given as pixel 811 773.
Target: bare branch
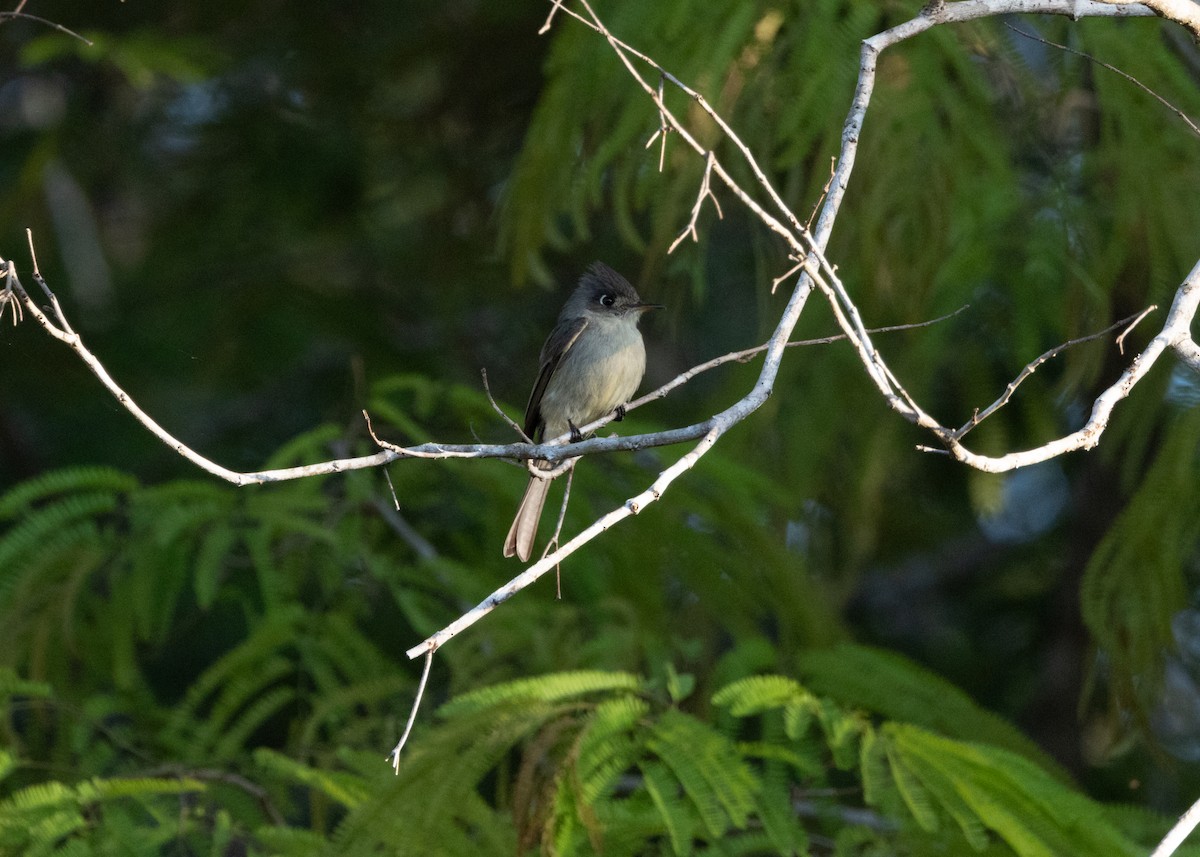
pixel 1120 340
pixel 631 507
pixel 412 715
pixel 786 275
pixel 555 6
pixel 1188 351
pixel 813 271
pixel 896 397
pixel 705 191
pixel 513 423
pixel 1031 367
pixel 1177 834
pixel 746 354
pixel 17 13
pixel 562 516
pixel 9 297
pixel 966 10
pixel 663 130
pixel 624 52
pixel 1176 330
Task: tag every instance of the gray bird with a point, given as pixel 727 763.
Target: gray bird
pixel 591 365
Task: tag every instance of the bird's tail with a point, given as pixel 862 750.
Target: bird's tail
pixel 524 526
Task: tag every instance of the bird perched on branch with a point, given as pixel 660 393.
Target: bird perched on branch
pixel 591 365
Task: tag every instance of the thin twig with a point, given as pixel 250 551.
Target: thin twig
pixel 663 129
pixel 412 715
pixel 515 425
pixel 705 191
pixel 8 16
pixel 406 531
pixel 624 52
pixel 1120 340
pixel 549 472
pixel 824 193
pixel 557 4
pixel 562 516
pixel 50 296
pixel 745 355
pixel 786 275
pixel 388 478
pixel 1115 70
pixel 1032 366
pixel 9 296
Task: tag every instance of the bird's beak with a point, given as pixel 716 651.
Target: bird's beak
pixel 645 307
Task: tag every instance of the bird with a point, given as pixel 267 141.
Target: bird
pixel 590 366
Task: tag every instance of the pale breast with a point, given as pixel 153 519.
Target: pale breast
pixel 601 371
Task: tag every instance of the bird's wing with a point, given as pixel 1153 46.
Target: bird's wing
pixel 557 345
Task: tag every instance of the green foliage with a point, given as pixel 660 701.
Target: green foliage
pixel 194 627
pixel 279 717
pixel 52 818
pixel 939 167
pixel 140 56
pixel 894 687
pixel 982 787
pixel 1136 580
pixel 617 774
pixel 576 156
pixel 546 689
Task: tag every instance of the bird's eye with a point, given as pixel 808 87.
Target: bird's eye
pixel 607 300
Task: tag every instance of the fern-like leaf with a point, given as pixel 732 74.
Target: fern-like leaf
pixel 760 693
pixel 42 523
pixel 912 791
pixel 889 684
pixel 1020 802
pixel 717 781
pixel 72 480
pixel 347 789
pixel 550 688
pixel 676 816
pixel 98 789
